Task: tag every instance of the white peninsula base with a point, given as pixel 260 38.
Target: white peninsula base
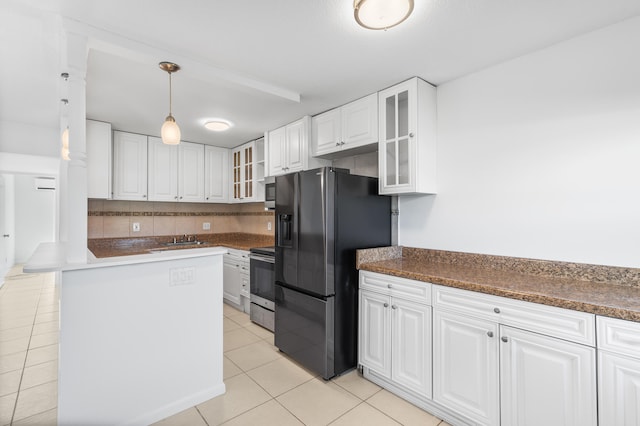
pixel 140 337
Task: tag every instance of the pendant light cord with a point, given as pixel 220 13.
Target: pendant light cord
pixel 170 95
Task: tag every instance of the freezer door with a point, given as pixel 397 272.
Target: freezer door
pixel 304 329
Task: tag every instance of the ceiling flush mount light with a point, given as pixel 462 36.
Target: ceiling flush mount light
pixel 170 131
pixel 218 125
pixel 381 14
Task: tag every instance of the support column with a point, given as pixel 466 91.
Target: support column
pixel 76 65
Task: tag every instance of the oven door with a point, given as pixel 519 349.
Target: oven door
pixel 262 282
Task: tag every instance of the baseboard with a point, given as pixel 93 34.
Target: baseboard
pixel 177 406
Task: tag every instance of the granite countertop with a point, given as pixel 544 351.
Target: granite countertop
pixel 602 290
pixel 113 247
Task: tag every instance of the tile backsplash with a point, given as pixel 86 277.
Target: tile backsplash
pixel 115 219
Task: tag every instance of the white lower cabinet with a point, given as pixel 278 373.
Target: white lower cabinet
pixel 546 381
pixel 477 359
pixel 494 373
pixel 465 366
pixel 395 331
pixel 236 278
pixel 618 372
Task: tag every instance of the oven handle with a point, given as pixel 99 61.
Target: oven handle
pixel 261 258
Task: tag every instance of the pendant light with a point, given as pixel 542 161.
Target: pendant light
pixel 381 14
pixel 170 131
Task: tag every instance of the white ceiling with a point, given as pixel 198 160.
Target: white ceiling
pixel 246 60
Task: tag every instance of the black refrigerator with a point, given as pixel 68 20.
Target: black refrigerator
pixel 322 217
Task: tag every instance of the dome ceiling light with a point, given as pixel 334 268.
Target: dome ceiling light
pixel 381 14
pixel 218 125
pixel 170 131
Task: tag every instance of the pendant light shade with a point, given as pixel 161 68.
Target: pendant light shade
pixel 170 132
pixel 381 14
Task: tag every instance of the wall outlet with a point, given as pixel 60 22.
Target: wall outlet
pixel 182 276
pixel 136 226
pixel 206 226
pixel 268 226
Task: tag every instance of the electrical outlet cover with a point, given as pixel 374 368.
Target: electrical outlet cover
pixel 206 226
pixel 136 226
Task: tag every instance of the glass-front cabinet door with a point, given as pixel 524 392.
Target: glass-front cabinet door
pixel 396 135
pixel 407 142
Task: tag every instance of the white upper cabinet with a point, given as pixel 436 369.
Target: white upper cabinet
pixel 99 158
pixel 216 174
pixel 190 172
pixel 130 166
pixel 175 172
pixel 162 173
pixel 247 172
pixel 287 149
pixel 352 127
pixel 407 139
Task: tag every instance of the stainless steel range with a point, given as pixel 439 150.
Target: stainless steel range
pixel 262 286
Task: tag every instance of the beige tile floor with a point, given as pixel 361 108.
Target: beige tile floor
pixel 264 387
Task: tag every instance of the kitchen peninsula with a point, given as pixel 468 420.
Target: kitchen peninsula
pixel 140 335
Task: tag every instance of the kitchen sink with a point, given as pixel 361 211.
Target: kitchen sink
pixel 185 243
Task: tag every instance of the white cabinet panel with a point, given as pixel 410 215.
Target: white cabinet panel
pixel 546 381
pixel 162 176
pixel 216 170
pixel 411 346
pixel 394 335
pixel 374 341
pixel 287 149
pixel 618 389
pixel 190 172
pixel 354 125
pixel 618 372
pixel 99 159
pixel 407 138
pixel 130 166
pixel 465 366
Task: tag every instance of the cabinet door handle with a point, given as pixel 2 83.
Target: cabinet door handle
pixel 144 196
pixel 386 305
pixel 341 142
pixel 389 286
pixel 504 339
pixel 490 333
pixel 337 143
pixel 411 134
pixel 394 307
pixel 176 197
pixel 496 310
pixel 181 197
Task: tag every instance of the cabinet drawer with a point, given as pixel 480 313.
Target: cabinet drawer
pixel 619 336
pixel 396 287
pixel 562 323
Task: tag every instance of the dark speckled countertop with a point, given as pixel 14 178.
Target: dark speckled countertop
pixel 602 290
pixel 111 247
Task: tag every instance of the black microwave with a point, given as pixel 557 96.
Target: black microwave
pixel 270 193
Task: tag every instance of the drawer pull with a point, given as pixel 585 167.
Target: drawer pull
pixel 490 333
pixel 389 286
pixel 496 310
pixel 394 307
pixel 504 339
pixel 386 305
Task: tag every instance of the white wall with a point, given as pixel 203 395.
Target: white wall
pixel 539 157
pixel 34 217
pixel 29 139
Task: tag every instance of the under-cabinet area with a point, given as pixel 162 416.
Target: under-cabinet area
pixel 479 359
